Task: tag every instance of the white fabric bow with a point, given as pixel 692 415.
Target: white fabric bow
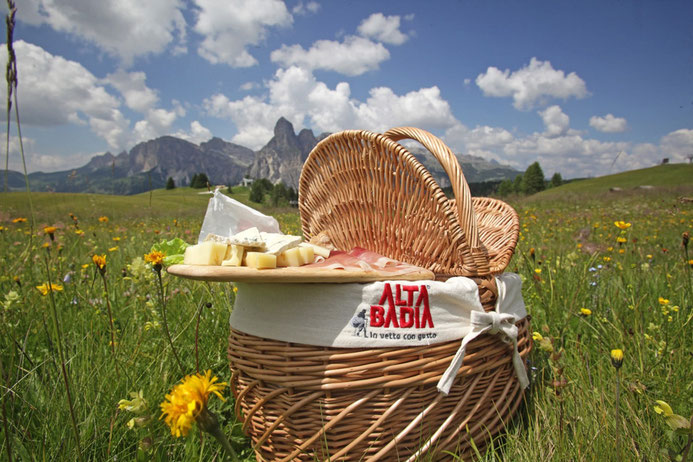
pixel 494 323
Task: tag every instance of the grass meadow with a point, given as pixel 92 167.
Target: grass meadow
pixel 604 272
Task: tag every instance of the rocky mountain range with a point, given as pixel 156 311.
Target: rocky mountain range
pixel 149 164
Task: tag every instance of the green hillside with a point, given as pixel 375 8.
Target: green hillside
pixel 660 177
pixel 158 207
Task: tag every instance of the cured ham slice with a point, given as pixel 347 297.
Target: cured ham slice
pixel 366 260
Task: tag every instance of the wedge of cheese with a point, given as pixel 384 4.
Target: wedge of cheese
pixel 306 254
pixel 260 260
pixel 296 256
pixel 234 256
pixel 278 243
pixel 317 249
pixel 291 257
pixel 248 238
pixel 205 253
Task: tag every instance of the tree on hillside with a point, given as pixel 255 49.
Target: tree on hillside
pixel 533 179
pixel 556 180
pixel 257 194
pixel 199 180
pixel 170 184
pixel 505 188
pixel 518 186
pixel 293 195
pixel 265 184
pixel 278 194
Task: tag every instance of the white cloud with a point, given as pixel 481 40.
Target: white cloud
pixel 677 145
pixel 253 118
pixel 421 108
pixel 383 29
pixel 302 9
pixel 38 162
pixel 570 153
pixel 249 86
pixel 133 87
pixel 55 91
pixel 123 28
pixel 196 134
pixel 295 94
pixel 230 26
pixel 115 129
pixel 353 56
pixel 609 124
pixel 555 120
pixel 158 122
pixel 532 85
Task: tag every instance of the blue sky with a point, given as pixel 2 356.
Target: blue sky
pixel 573 85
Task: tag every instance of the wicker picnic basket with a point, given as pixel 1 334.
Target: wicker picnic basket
pixel 303 402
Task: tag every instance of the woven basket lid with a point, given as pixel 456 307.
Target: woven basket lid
pixel 365 189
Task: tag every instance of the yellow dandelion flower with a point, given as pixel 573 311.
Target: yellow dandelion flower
pixel 2 228
pixel 622 224
pixel 187 400
pixel 663 301
pixel 585 311
pixel 537 270
pixel 113 249
pixel 617 358
pixel 85 266
pixel 103 219
pixel 99 261
pixel 537 337
pixel 607 259
pixel 49 229
pixel 116 239
pixel 46 288
pixel 19 220
pixel 621 240
pixel 154 257
pixel 79 232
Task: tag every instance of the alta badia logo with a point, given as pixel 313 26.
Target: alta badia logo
pixel 403 309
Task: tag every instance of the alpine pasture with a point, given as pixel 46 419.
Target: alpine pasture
pixel 87 361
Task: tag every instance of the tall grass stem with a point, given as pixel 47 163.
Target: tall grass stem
pixel 110 321
pixel 165 321
pixel 59 344
pixel 8 440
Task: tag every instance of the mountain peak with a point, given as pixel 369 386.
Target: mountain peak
pixel 283 127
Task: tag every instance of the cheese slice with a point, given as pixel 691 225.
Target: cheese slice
pixel 306 255
pixel 261 260
pixel 248 238
pixel 278 243
pixel 234 256
pixel 317 249
pixel 205 253
pixel 291 257
pixel 216 238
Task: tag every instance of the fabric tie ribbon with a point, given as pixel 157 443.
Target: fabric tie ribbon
pixel 494 323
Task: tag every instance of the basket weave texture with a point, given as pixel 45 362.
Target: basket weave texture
pixel 304 402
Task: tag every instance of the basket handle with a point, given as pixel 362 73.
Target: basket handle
pixel 460 188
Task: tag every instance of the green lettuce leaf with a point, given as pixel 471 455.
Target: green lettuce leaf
pixel 173 249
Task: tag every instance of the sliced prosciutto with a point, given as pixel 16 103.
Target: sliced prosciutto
pixel 366 260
